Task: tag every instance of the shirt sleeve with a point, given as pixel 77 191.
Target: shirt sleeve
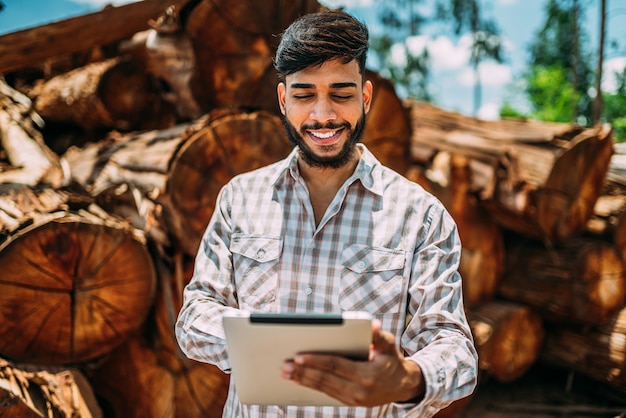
pixel 210 292
pixel 438 337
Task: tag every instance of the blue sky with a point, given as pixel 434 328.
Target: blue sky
pixel 452 77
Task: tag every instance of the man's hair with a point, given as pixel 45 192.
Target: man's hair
pixel 315 38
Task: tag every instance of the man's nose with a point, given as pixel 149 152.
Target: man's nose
pixel 323 110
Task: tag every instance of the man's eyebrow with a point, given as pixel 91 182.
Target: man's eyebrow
pixel 334 85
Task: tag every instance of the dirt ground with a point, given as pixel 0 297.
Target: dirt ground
pixel 545 392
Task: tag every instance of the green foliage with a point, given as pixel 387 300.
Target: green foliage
pixel 558 54
pixel 551 95
pixel 508 111
pixel 560 74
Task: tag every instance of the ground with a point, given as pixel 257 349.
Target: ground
pixel 545 392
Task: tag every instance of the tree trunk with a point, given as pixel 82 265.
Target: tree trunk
pixel 580 282
pixel 598 352
pixel 116 93
pixel 388 128
pixel 508 338
pixel 538 179
pixel 131 383
pixel 75 283
pixel 183 168
pixel 234 52
pixel 609 220
pixel 33 47
pixel 135 385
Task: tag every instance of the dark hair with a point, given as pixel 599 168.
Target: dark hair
pixel 315 38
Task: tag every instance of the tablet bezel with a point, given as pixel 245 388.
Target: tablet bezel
pixel 259 343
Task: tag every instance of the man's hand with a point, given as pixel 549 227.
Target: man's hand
pixel 386 377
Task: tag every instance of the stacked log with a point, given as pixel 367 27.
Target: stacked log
pixel 550 192
pixel 75 281
pixel 541 180
pixel 598 352
pixel 92 275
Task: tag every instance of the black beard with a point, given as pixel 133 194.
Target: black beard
pixel 317 161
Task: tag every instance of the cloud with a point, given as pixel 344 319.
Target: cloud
pixel 489 111
pixel 491 74
pixel 609 82
pixel 506 2
pixel 446 55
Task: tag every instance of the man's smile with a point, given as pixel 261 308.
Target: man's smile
pixel 325 137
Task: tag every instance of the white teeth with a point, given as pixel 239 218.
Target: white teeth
pixel 323 136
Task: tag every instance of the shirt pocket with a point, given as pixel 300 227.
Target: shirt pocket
pixel 372 280
pixel 255 266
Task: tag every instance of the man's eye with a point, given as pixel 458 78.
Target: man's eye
pixel 342 96
pixel 302 96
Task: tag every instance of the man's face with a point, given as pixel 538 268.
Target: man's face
pixel 324 111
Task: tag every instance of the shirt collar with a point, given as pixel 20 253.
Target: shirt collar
pixel 369 171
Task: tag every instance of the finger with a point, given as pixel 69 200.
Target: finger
pixel 333 364
pixel 384 342
pixel 330 383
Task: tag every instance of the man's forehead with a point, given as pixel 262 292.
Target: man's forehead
pixel 330 72
pixel 337 85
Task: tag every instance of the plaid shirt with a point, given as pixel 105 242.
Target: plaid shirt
pixel 384 246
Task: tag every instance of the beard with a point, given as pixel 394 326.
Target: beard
pixel 312 159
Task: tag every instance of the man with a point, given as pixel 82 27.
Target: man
pixel 330 229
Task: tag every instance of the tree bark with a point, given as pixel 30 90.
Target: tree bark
pixel 131 383
pixel 116 93
pixel 508 338
pixel 598 352
pixel 608 221
pixel 580 282
pixel 183 168
pixel 234 52
pixel 538 179
pixel 33 47
pixel 388 127
pixel 74 285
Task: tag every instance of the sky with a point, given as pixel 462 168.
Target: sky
pixel 452 77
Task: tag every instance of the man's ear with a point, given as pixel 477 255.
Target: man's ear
pixel 281 90
pixel 368 89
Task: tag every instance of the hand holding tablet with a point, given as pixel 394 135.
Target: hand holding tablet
pixel 260 343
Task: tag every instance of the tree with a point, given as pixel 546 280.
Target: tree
pixel 402 22
pixel 466 15
pixel 560 49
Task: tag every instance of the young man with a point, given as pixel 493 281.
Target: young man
pixel 330 229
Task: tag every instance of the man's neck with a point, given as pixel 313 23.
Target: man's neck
pixel 323 183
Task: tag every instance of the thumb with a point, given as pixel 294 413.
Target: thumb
pixel 382 342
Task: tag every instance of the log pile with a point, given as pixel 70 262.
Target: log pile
pixel 113 149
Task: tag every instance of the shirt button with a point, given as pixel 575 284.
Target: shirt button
pixel 260 254
pixel 441 376
pixel 308 290
pixel 361 264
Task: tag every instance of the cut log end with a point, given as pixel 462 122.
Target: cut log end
pixel 71 291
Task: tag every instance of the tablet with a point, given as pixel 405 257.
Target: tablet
pixel 259 343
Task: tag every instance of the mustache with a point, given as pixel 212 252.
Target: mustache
pixel 329 125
